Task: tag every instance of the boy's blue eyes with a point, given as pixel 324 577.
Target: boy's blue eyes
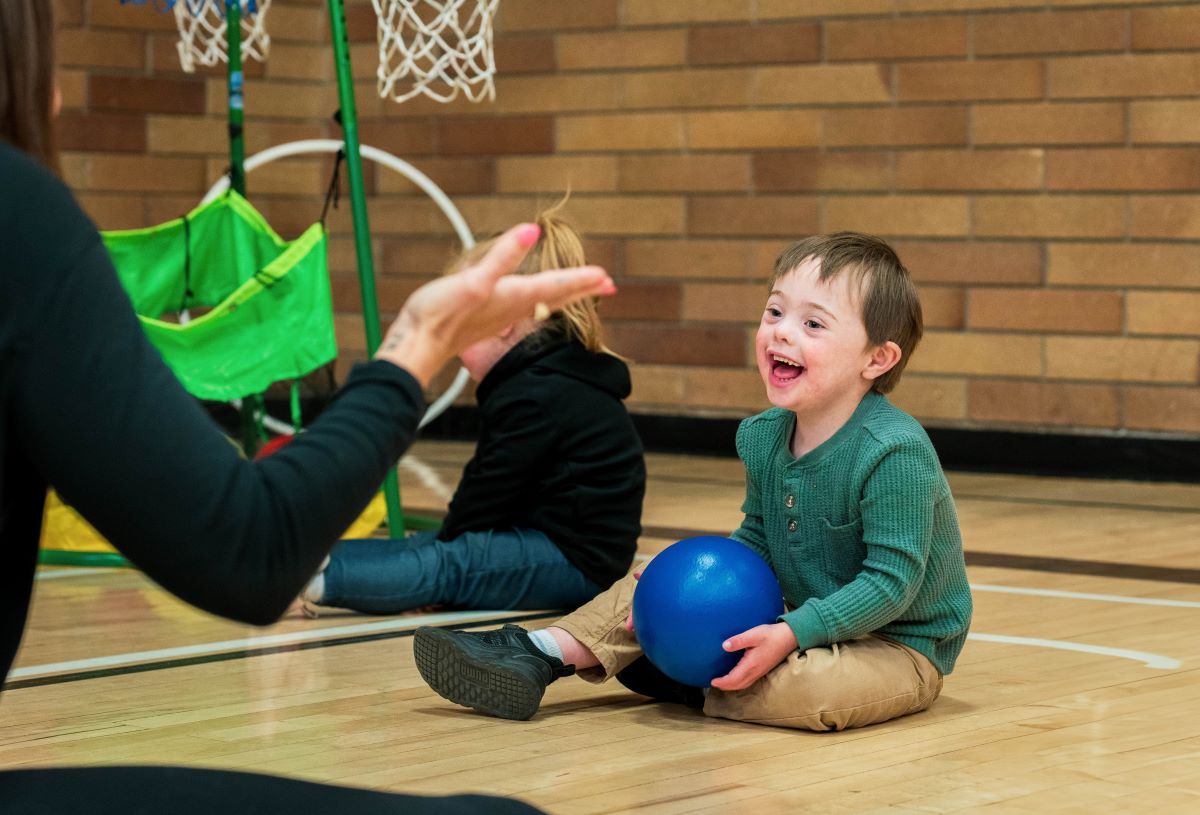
pixel 809 323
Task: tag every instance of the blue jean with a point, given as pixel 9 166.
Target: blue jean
pixel 495 569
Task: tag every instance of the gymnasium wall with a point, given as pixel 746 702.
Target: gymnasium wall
pixel 1035 163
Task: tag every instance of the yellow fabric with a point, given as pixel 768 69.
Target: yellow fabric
pixel 64 530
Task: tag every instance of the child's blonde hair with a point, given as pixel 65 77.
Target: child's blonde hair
pixel 559 247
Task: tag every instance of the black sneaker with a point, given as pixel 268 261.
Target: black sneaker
pixel 642 677
pixel 500 673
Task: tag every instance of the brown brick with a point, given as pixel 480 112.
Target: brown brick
pixel 985 79
pixel 898 214
pixel 301 61
pixel 73 85
pixel 896 39
pixel 735 390
pixel 68 12
pixel 264 133
pixel 1051 216
pixel 361 22
pixel 811 170
pixel 390 294
pixel 113 211
pixel 1008 401
pixel 1050 32
pixel 680 345
pixel 491 214
pixel 684 173
pixel 629 215
pixel 1167 314
pixel 1059 311
pixel 1165 122
pixel 1123 360
pixel 980 263
pixel 554 15
pixel 919 6
pixel 146 94
pixel 955 352
pixel 145 173
pixel 1166 29
pixel 557 93
pixel 1038 124
pixel 122 15
pixel 187 134
pixel 295 176
pixel 605 252
pixel 402 138
pixel 412 256
pixel 752 129
pixel 511 135
pixel 703 259
pixel 1142 169
pixel 685 11
pixel 943 306
pixel 724 302
pixel 101 132
pixel 931 397
pixel 790 216
pixel 636 131
pixel 688 88
pixel 1144 265
pixel 524 55
pixel 1165 217
pixel 455 176
pixel 772 9
pixel 822 84
pixel 164 61
pixel 556 174
pixel 290 22
pixel 88 48
pixel 1125 75
pixel 622 49
pixel 925 126
pixel 969 170
pixel 1166 409
pixel 754 44
pixel 637 300
pixel 294 101
pixel 655 385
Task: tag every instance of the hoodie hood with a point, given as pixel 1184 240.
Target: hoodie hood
pixel 566 357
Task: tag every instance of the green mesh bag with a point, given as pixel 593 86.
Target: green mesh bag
pixel 265 312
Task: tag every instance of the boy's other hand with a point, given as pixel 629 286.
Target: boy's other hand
pixel 766 646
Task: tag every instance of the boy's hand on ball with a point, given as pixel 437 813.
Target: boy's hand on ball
pixel 766 646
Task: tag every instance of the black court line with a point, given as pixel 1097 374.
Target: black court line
pixel 1031 563
pixel 246 653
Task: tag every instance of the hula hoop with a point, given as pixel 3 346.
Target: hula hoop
pixel 398 165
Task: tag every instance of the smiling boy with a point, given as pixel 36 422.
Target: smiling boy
pixel 845 499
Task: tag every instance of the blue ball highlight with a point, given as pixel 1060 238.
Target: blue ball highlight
pixel 695 595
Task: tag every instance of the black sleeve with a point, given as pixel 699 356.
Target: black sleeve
pixel 106 423
pixel 497 480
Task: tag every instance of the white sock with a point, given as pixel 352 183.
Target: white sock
pixel 315 590
pixel 546 644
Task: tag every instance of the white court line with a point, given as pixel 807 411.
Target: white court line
pixel 248 642
pixel 1075 595
pixel 1150 660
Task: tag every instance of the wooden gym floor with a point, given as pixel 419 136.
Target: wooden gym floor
pixel 1079 690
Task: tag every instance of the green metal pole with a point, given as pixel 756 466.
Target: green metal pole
pixel 237 166
pixel 362 229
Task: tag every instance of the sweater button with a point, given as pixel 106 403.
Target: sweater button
pixel 790 501
pixel 792 525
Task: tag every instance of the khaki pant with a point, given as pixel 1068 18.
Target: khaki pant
pixel 847 684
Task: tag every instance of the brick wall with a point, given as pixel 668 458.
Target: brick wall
pixel 1035 163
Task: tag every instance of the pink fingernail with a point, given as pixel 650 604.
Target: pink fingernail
pixel 610 288
pixel 528 234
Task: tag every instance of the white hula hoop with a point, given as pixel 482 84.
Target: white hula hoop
pixel 306 146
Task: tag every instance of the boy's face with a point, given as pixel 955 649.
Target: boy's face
pixel 811 345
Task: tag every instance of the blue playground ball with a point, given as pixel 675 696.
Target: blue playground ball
pixel 696 594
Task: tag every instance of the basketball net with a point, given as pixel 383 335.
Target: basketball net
pixel 201 25
pixel 438 48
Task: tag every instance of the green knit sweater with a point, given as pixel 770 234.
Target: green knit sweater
pixel 861 531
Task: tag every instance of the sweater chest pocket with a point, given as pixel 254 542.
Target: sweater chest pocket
pixel 842 549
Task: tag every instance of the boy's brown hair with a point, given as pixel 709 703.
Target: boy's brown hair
pixel 891 309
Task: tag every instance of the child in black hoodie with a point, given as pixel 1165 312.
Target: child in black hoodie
pixel 548 511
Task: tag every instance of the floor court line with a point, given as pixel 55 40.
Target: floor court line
pixel 1145 657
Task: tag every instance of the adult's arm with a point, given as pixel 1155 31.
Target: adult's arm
pixel 103 420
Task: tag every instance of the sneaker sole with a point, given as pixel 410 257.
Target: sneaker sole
pixel 457 675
